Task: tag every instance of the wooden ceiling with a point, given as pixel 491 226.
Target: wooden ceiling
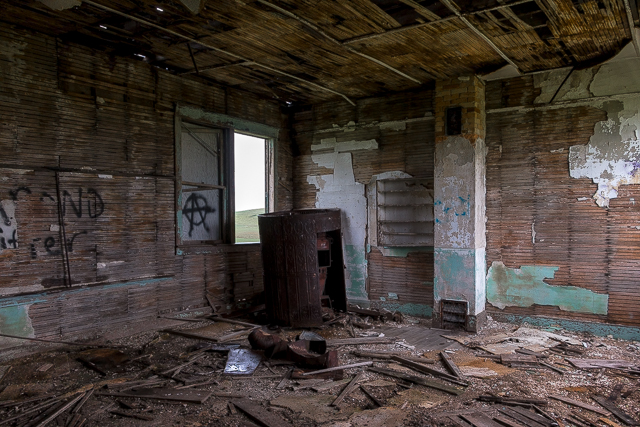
pixel 307 51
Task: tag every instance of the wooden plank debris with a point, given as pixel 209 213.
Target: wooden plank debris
pixel 168 394
pixel 507 400
pixel 189 335
pixel 359 341
pixel 518 359
pixel 259 414
pixel 370 395
pixel 419 380
pixel 478 419
pixel 427 370
pixel 60 410
pixel 599 363
pixel 338 368
pixel 520 418
pixel 232 321
pixel 507 422
pixel 450 365
pixel 535 417
pixel 579 404
pixel 389 354
pixel 616 411
pixel 353 384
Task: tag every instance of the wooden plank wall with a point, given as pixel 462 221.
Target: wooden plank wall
pixel 528 183
pixel 95 132
pixel 410 150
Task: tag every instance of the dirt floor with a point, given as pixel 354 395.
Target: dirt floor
pixel 80 382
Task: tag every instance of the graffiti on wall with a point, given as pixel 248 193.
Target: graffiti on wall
pixel 81 203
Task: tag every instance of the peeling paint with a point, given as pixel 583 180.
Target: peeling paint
pixel 8 225
pixel 524 287
pixel 396 125
pixel 612 156
pixel 340 190
pixel 15 321
pixel 331 144
pixel 404 252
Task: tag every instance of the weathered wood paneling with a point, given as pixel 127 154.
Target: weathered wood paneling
pixel 95 134
pixel 529 189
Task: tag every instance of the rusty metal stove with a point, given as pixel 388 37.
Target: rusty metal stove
pixel 303 265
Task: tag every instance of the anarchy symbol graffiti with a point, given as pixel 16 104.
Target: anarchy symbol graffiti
pixel 195 210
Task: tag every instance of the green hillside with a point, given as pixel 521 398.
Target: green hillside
pixel 247 225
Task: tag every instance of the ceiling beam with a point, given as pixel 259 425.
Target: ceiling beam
pixel 455 10
pixel 430 23
pixel 632 29
pixel 336 42
pixel 244 61
pixel 216 67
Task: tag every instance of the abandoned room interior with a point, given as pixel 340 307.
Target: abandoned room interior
pixel 320 213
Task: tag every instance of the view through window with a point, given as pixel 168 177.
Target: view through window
pixel 250 187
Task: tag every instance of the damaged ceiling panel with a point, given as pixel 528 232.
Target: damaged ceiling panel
pixel 304 51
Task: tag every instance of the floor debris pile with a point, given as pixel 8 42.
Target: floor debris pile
pixel 362 368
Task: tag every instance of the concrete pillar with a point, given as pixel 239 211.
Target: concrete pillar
pixel 459 199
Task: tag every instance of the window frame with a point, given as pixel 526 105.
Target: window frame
pixel 229 126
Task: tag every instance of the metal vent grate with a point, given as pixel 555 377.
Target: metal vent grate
pixel 453 313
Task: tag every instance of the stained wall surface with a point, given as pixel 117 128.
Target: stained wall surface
pixel 563 238
pixel 342 151
pixel 87 140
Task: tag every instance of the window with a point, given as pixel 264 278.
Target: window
pixel 250 173
pixel 224 178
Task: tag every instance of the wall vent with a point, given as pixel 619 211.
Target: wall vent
pixel 453 314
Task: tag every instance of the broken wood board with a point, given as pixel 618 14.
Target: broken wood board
pixel 427 370
pixel 616 411
pixel 520 418
pixel 259 414
pixel 579 404
pixel 328 385
pixel 470 371
pixel 389 354
pixel 419 380
pixel 169 394
pixel 599 363
pixel 359 341
pixel 527 338
pixel 478 419
pixel 450 364
pixel 353 384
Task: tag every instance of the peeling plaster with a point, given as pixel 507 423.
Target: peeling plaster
pixel 15 321
pixel 331 144
pixel 395 125
pixel 612 156
pixel 8 225
pixel 411 309
pixel 340 190
pixel 524 287
pixel 453 201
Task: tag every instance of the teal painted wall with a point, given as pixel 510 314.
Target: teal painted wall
pixel 523 287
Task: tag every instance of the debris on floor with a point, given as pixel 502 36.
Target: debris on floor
pixel 361 368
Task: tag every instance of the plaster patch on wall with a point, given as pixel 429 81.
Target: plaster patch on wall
pixel 453 201
pixel 331 144
pixel 8 225
pixel 612 156
pixel 15 321
pixel 395 125
pixel 525 286
pixel 340 190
